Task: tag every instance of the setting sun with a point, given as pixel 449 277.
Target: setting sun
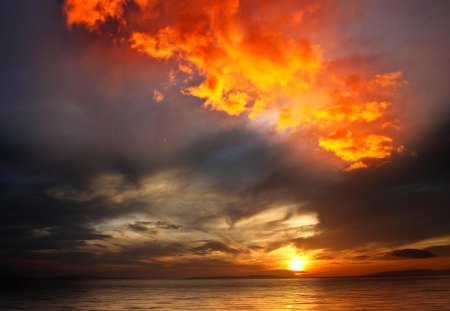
pixel 297 265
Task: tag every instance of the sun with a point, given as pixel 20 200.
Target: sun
pixel 297 264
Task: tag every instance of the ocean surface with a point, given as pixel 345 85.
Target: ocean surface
pixel 398 293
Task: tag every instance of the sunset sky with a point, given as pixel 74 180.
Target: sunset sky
pixel 146 138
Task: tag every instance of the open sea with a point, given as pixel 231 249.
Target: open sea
pixel 389 293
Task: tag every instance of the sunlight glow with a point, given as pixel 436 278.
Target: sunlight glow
pixel 297 264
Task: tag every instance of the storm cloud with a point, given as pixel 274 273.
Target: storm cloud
pixel 413 253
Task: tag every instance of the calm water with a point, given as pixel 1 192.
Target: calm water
pixel 413 293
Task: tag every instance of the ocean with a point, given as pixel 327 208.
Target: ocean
pixel 375 293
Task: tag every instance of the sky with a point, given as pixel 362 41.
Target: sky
pixel 165 139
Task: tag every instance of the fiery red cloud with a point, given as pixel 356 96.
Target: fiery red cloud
pixel 252 63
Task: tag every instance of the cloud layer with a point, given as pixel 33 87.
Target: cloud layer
pixel 100 175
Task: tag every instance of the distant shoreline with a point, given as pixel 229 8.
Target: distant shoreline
pixel 399 273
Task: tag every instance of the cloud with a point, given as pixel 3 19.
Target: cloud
pixel 92 13
pixel 91 166
pixel 440 250
pixel 152 226
pixel 412 253
pixel 226 55
pixel 402 202
pixel 212 246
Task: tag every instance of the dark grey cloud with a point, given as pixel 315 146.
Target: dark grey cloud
pixel 401 202
pixel 209 247
pixel 73 110
pixel 152 226
pixel 440 250
pixel 412 253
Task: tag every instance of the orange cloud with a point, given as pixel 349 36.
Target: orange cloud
pixel 253 64
pixel 158 96
pixel 353 149
pixel 92 13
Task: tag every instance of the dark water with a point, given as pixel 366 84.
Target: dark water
pixel 412 293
